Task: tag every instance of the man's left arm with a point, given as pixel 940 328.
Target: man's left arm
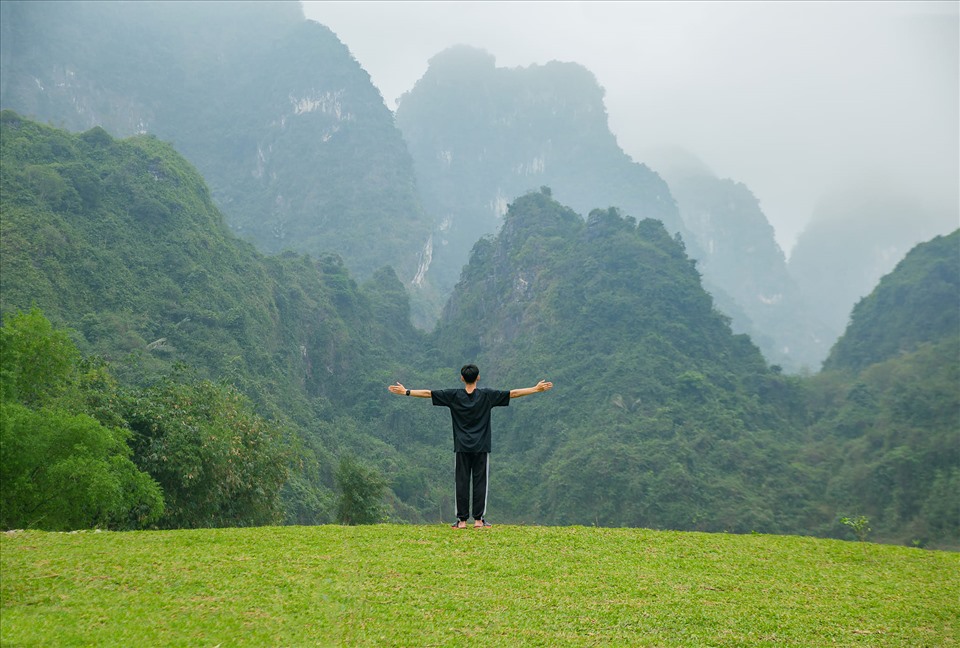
pixel 400 390
pixel 541 386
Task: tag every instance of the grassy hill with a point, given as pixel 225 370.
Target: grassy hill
pixel 506 586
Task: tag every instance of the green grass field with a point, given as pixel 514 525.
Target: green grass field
pixel 400 585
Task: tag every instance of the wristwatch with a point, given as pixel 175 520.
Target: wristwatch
pixel 408 392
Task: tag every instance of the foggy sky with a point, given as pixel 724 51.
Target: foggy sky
pixel 790 98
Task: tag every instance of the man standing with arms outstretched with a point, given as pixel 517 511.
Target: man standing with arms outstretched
pixel 470 412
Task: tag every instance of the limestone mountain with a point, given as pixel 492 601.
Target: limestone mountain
pixel 481 135
pixel 119 241
pixel 297 147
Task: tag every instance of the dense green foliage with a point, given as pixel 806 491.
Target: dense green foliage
pixel 405 585
pixel 61 469
pixel 660 417
pixel 218 463
pixel 361 493
pixel 128 251
pixel 886 408
pixel 888 439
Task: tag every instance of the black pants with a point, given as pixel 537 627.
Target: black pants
pixel 472 467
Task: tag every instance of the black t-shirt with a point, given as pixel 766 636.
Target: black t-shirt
pixel 471 415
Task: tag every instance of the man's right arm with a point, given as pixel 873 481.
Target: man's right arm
pixel 400 390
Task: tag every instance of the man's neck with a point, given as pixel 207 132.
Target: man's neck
pixel 470 387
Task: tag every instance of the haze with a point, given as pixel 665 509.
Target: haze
pixel 792 99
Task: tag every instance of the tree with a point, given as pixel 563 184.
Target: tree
pixel 36 361
pixel 218 462
pixel 361 493
pixel 60 468
pixel 60 472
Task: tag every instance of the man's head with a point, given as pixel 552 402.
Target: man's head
pixel 469 373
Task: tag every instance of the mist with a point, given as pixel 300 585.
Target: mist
pixel 792 99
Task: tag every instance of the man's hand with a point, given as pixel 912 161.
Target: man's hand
pixel 398 389
pixel 541 386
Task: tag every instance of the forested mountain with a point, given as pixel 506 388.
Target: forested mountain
pixel 886 408
pixel 296 144
pixel 661 416
pixel 481 135
pixel 120 241
pixel 917 303
pixel 742 265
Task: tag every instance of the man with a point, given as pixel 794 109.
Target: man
pixel 470 412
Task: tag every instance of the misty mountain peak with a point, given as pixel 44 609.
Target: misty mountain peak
pixel 461 58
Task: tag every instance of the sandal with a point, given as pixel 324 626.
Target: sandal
pixel 481 524
pixel 459 524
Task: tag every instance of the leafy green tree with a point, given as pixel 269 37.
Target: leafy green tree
pixel 60 472
pixel 37 361
pixel 218 462
pixel 61 468
pixel 361 493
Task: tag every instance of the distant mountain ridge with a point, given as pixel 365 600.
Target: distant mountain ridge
pixel 481 135
pixel 301 154
pixel 744 267
pixel 294 141
pixel 858 234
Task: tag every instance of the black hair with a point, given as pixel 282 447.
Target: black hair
pixel 470 373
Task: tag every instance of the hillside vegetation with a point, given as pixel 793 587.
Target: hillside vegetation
pixel 399 585
pixel 118 241
pixel 297 147
pixel 661 416
pixel 888 418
